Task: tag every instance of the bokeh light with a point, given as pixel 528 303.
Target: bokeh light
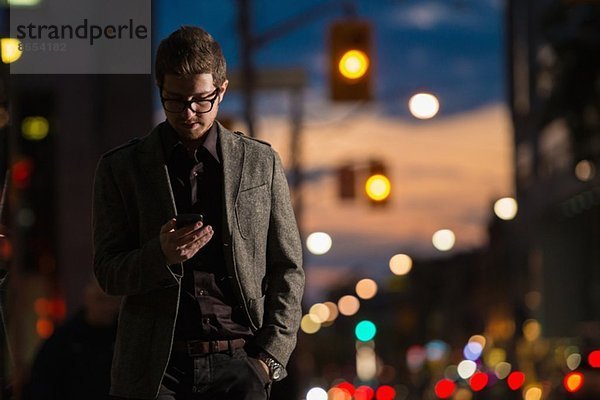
pixel 478 339
pixel 531 330
pixel 319 313
pixel 347 386
pixel 463 394
pixel 573 361
pixel 364 393
pixel 466 369
pixel 423 105
pixel 479 381
pixel 318 243
pixel 532 392
pixel 316 393
pixel 585 170
pixel 415 357
pixel 378 187
pixel 385 392
pixel 506 208
pixel 444 388
pixel 354 64
pixel 436 350
pixel 472 350
pixel 309 325
pixel 9 50
pixel 44 328
pixel 35 128
pixel 443 240
pixel 333 311
pixel 573 381
pixel 337 393
pixel 365 330
pixel 401 264
pixel 502 370
pixel 348 305
pixel 594 359
pixel 515 380
pixel 366 289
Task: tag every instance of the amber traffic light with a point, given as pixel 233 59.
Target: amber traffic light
pixel 378 186
pixel 350 60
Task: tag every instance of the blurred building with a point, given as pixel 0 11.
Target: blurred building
pixel 554 96
pixel 59 127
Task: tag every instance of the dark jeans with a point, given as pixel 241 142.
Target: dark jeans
pixel 218 376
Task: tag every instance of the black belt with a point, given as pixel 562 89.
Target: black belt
pixel 200 348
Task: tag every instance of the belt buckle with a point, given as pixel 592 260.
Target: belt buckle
pixel 215 346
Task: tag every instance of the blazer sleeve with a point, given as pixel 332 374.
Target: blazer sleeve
pixel 122 265
pixel 285 276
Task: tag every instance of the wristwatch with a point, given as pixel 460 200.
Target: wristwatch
pixel 275 369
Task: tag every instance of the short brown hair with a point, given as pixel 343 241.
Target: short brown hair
pixel 189 51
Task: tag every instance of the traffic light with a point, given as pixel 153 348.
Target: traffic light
pixel 346 182
pixel 350 60
pixel 378 186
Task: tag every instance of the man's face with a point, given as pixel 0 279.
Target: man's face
pixel 189 125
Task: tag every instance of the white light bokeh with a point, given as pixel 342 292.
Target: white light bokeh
pixel 423 105
pixel 506 208
pixel 443 240
pixel 466 369
pixel 400 264
pixel 318 243
pixel 316 393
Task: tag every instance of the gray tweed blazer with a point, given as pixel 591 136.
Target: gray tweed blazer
pixel 263 254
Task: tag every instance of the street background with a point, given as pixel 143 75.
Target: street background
pixel 475 276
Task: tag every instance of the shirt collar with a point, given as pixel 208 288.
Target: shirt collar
pixel 171 140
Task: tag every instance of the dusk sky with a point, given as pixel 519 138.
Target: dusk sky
pixel 446 172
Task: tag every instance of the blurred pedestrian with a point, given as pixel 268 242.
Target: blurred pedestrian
pixel 212 303
pixel 74 362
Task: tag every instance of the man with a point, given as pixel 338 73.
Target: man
pixel 210 310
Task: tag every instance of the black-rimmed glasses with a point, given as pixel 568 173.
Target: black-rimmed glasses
pixel 199 106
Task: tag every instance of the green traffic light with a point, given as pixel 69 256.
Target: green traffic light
pixel 365 331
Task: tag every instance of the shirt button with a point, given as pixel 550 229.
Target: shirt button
pixel 206 320
pixel 202 292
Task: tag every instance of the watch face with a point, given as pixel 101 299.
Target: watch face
pixel 276 374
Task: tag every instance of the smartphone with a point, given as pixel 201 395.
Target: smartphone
pixel 182 220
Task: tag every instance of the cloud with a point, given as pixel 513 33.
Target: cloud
pixel 432 15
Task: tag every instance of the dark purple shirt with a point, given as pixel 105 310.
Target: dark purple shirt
pixel 207 307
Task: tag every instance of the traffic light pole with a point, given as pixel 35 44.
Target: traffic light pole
pixel 249 78
pixel 250 42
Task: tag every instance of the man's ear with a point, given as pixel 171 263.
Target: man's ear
pixel 223 89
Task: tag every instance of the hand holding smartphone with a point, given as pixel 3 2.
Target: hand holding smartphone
pixel 182 220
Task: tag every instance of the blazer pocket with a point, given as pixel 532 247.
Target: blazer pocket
pixel 256 307
pixel 252 209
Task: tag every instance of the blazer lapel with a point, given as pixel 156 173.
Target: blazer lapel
pixel 156 175
pixel 232 157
